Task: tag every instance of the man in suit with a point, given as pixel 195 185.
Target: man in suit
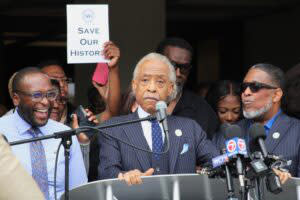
pixel 153 80
pixel 262 91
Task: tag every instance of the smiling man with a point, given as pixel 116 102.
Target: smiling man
pixel 153 80
pixel 33 95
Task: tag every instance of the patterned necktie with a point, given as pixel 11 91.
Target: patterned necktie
pixel 157 143
pixel 38 163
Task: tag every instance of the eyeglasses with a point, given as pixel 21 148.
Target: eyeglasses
pixel 39 96
pixel 184 68
pixel 255 86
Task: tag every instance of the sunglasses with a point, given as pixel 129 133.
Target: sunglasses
pixel 255 86
pixel 184 68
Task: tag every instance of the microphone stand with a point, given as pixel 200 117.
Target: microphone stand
pixel 230 189
pixel 229 182
pixel 66 137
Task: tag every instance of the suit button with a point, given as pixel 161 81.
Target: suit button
pixel 157 169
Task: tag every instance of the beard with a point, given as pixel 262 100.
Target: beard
pixel 27 113
pixel 258 113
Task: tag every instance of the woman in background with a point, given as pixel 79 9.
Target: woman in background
pixel 224 98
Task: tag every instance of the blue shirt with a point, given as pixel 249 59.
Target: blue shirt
pixel 15 128
pixel 270 123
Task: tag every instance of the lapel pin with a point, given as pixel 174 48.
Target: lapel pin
pixel 276 135
pixel 178 132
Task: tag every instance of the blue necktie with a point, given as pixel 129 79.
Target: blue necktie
pixel 38 163
pixel 157 143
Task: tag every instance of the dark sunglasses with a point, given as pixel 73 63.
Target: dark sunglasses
pixel 184 68
pixel 255 86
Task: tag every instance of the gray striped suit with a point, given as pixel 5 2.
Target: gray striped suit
pixel 116 157
pixel 287 144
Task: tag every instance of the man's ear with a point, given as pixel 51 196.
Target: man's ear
pixel 16 99
pixel 278 95
pixel 133 85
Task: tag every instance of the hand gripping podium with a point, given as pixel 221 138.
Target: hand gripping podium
pixel 171 187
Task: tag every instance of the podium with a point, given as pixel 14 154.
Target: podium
pixel 171 187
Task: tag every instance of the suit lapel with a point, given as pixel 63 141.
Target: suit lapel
pixel 174 144
pixel 134 132
pixel 280 126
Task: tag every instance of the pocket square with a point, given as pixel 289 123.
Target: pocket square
pixel 185 148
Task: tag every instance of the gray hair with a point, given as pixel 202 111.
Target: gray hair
pixel 275 73
pixel 164 59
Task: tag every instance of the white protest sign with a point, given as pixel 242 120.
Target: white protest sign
pixel 87 30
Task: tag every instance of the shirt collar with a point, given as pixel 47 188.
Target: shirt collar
pixel 22 125
pixel 270 123
pixel 142 113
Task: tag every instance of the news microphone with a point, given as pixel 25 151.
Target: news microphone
pixel 161 116
pixel 235 145
pixel 258 134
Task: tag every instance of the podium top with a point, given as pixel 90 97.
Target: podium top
pixel 153 188
pixel 165 187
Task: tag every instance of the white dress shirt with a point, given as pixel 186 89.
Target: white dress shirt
pixel 146 126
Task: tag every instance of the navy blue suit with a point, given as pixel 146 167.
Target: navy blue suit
pixel 287 144
pixel 116 157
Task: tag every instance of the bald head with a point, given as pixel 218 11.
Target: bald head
pixel 21 76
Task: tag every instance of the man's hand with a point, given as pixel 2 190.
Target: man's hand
pixel 134 176
pixel 112 52
pixel 82 137
pixel 283 176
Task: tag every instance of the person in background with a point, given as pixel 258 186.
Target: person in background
pixel 291 99
pixel 224 98
pixel 128 102
pixel 187 104
pixel 203 88
pixel 54 70
pixel 11 93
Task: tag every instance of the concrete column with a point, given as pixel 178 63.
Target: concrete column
pixel 136 27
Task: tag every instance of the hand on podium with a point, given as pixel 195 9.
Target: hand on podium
pixel 283 176
pixel 134 176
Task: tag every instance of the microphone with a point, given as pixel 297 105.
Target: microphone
pixel 235 145
pixel 161 116
pixel 257 133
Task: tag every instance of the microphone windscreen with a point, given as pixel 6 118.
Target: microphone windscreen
pixel 160 105
pixel 223 127
pixel 233 131
pixel 257 130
